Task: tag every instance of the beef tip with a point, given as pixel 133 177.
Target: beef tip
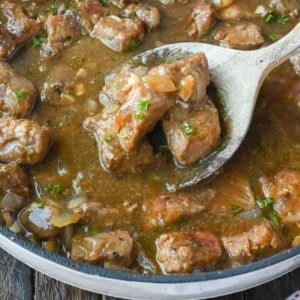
pixel 138 116
pixel 238 10
pixel 13 179
pixel 112 156
pixel 192 134
pixel 285 7
pixel 115 247
pixel 150 15
pixel 23 141
pixel 202 19
pixel 284 189
pixel 183 252
pixel 7 44
pixel 17 94
pixel 62 30
pixel 295 61
pixel 190 75
pixel 119 34
pixel 19 25
pixel 242 36
pixel 245 246
pixel 122 3
pixel 163 210
pixel 36 218
pixel 90 12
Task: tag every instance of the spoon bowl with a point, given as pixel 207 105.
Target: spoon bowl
pixel 237 76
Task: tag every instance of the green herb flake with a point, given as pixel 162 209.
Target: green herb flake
pixel 107 138
pixel 140 115
pixel 37 41
pixel 144 104
pixel 188 129
pixel 104 2
pixel 236 209
pixel 110 37
pixel 55 189
pixel 53 7
pixel 83 31
pixel 162 149
pixel 133 45
pixel 273 217
pixel 118 85
pixel 56 89
pixel 272 36
pixel 93 231
pixel 264 203
pixel 21 94
pixel 282 19
pixel 279 19
pixel 270 17
pixel 40 204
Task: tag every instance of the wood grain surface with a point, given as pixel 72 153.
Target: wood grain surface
pixel 19 282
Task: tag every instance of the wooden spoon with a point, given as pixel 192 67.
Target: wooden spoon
pixel 237 76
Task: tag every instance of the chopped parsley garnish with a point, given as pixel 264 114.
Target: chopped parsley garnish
pixel 188 129
pixel 110 37
pixel 117 84
pixel 53 7
pixel 37 41
pixel 133 45
pixel 143 107
pixel 40 204
pixel 21 94
pixel 264 203
pixel 144 104
pixel 273 18
pixel 273 217
pixel 83 31
pixel 107 138
pixel 55 189
pixel 272 36
pixel 162 149
pixel 236 209
pixel 104 2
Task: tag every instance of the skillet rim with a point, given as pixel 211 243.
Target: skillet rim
pixel 161 279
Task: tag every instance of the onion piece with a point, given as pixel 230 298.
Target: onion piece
pixel 160 83
pixel 251 213
pixel 11 202
pixel 186 87
pixel 220 4
pixel 67 234
pixel 296 241
pixel 15 227
pixel 76 201
pixel 64 219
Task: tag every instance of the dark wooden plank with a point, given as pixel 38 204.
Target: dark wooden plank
pixel 50 289
pixel 15 279
pixel 279 289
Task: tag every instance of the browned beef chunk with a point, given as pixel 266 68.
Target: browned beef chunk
pixel 13 179
pixel 7 44
pixel 90 12
pixel 183 252
pixel 112 156
pixel 284 189
pixel 143 109
pixel 241 36
pixel 114 248
pixel 238 9
pixel 20 26
pixel 202 19
pixel 163 210
pixel 245 246
pixel 192 134
pixel 17 94
pixel 190 75
pixel 23 141
pixel 150 15
pixel 285 7
pixel 119 34
pixel 62 29
pixel 36 218
pixel 295 61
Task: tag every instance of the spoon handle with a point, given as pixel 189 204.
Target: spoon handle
pixel 270 57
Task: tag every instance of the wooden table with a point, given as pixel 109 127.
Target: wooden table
pixel 19 282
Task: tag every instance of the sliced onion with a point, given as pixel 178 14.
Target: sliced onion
pixel 92 105
pixel 220 4
pixel 67 234
pixel 76 201
pixel 15 227
pixel 160 83
pixel 64 219
pixel 76 182
pixel 251 213
pixel 186 87
pixel 12 202
pixel 62 170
